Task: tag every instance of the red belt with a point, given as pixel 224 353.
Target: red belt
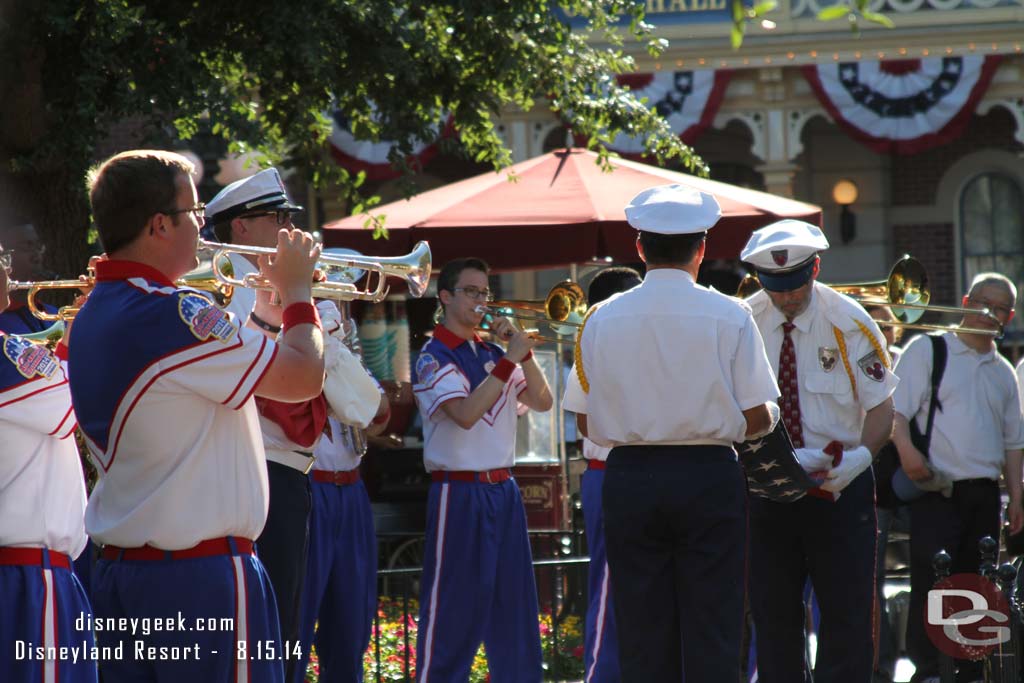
pixel 595 464
pixel 33 557
pixel 488 477
pixel 339 478
pixel 208 548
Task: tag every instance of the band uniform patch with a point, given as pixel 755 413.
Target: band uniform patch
pixel 827 358
pixel 426 367
pixel 872 366
pixel 204 319
pixel 31 360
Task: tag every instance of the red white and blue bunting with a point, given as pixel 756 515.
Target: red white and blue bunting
pixel 903 106
pixel 369 156
pixel 688 100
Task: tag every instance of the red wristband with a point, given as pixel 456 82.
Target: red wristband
pixel 300 313
pixel 528 356
pixel 503 369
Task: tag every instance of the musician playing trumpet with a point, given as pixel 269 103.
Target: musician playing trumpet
pixel 163 389
pixel 478 582
pixel 42 510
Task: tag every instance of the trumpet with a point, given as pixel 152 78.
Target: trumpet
pixel 414 268
pixel 34 288
pixel 202 278
pixel 562 310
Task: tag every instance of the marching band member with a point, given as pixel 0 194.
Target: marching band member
pixel 249 212
pixel 26 254
pixel 340 591
pixel 478 582
pixel 42 508
pixel 601 647
pixel 169 418
pixel 836 383
pixel 675 374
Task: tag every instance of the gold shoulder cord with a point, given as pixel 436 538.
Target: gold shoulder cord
pixel 882 353
pixel 577 353
pixel 841 341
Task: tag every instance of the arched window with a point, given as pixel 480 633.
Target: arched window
pixel 992 233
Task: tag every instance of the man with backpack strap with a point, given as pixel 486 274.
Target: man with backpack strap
pixel 976 434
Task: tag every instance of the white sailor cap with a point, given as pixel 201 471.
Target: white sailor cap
pixel 263 191
pixel 783 253
pixel 673 210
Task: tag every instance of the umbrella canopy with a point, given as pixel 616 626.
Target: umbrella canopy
pixel 561 209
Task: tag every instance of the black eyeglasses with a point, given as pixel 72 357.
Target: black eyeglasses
pixel 282 216
pixel 199 211
pixel 475 292
pixel 5 259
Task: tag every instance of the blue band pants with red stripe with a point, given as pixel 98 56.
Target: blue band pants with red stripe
pixel 201 590
pixel 478 586
pixel 601 647
pixel 25 593
pixel 340 594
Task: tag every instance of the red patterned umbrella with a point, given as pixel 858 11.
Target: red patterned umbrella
pixel 562 209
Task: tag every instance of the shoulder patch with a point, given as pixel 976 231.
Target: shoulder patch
pixel 31 360
pixel 203 318
pixel 426 367
pixel 871 365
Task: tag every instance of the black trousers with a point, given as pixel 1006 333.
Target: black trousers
pixel 955 525
pixel 675 530
pixel 283 546
pixel 833 544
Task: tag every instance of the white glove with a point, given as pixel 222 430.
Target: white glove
pixel 330 318
pixel 813 459
pixel 854 462
pixel 351 392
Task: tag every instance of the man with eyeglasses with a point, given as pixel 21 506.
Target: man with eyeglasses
pixel 42 510
pixel 25 252
pixel 977 435
pixel 250 212
pixel 163 388
pixel 478 584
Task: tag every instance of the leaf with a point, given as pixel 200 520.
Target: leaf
pixel 834 12
pixel 762 8
pixel 880 19
pixel 736 36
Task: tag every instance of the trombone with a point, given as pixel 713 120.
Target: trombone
pixel 906 292
pixel 414 268
pixel 562 310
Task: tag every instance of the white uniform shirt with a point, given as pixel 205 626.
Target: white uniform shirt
pixel 243 299
pixel 828 409
pixel 335 453
pixel 575 401
pixel 450 367
pixel 1020 377
pixel 671 362
pixel 42 491
pixel 168 413
pixel 981 415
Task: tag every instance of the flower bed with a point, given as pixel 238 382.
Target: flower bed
pixel 564 664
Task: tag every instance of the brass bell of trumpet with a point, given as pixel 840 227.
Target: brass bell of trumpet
pixel 414 268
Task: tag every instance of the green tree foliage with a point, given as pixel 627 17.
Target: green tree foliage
pixel 263 74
